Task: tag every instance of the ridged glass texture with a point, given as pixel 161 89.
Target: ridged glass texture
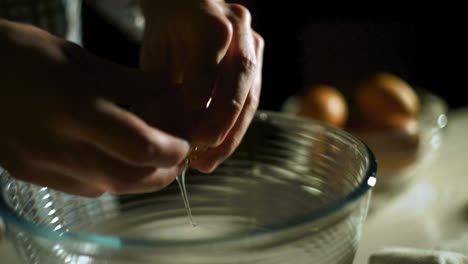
pixel 295 191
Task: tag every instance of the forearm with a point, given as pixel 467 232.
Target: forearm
pixel 5 42
pixel 28 54
pixel 9 56
pixel 3 26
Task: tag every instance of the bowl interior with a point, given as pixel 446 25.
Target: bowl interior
pixel 287 173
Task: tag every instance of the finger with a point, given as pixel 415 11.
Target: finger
pixel 260 48
pixel 88 164
pixel 56 181
pixel 131 139
pixel 210 159
pixel 60 182
pixel 121 134
pixel 213 157
pixel 155 182
pixel 206 50
pixel 235 80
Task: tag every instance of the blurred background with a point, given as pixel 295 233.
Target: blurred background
pixel 308 44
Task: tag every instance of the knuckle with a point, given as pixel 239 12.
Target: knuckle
pixel 247 64
pixel 220 31
pixel 120 180
pixel 165 152
pixel 144 153
pixel 141 150
pixel 260 41
pixel 241 13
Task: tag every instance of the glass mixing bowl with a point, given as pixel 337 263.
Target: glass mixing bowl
pixel 295 191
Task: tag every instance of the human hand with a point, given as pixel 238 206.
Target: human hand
pixel 206 49
pixel 59 130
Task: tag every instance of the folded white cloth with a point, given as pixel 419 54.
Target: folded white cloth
pixel 2 229
pixel 398 255
pixel 448 252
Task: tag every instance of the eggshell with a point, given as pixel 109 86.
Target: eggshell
pixel 325 103
pixel 386 95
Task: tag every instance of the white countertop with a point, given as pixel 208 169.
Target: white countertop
pixel 435 209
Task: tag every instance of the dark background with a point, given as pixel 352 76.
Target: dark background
pixel 305 47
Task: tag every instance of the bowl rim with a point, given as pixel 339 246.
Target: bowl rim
pixel 115 242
